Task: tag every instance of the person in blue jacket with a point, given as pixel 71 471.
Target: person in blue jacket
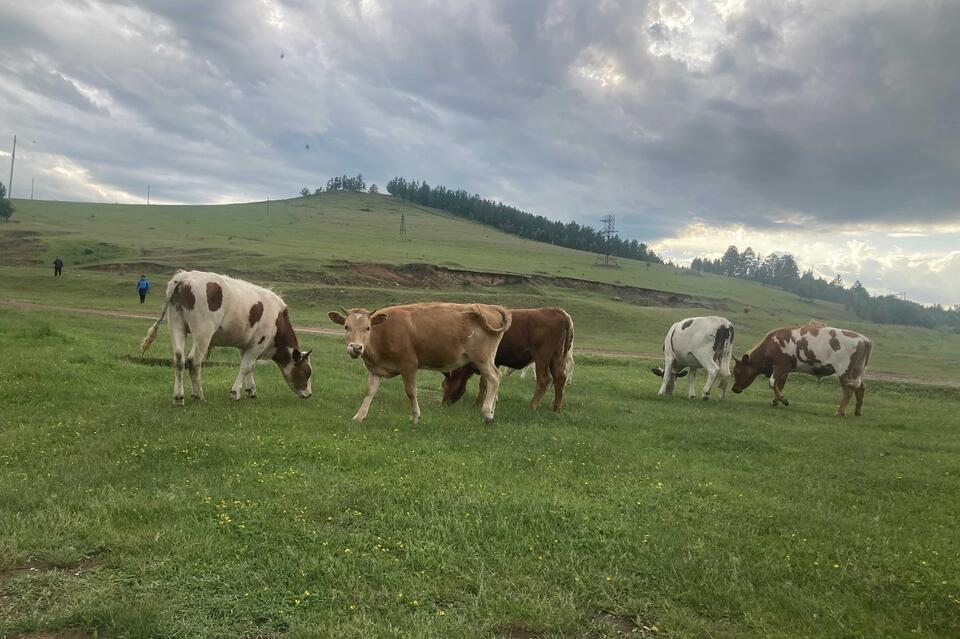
pixel 143 287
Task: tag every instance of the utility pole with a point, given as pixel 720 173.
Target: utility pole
pixel 13 157
pixel 31 188
pixel 403 223
pixel 609 230
pixel 148 195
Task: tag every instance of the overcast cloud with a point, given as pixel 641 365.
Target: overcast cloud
pixel 830 129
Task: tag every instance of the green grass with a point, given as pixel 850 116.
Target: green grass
pixel 728 519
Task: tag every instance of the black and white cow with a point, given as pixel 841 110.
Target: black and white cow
pixel 692 344
pixel 222 311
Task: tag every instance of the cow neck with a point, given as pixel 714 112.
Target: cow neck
pixel 284 340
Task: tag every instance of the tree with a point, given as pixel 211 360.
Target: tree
pixel 730 262
pixel 374 190
pixel 304 192
pixel 6 206
pixel 318 190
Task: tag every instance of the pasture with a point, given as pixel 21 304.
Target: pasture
pixel 628 514
pixel 279 517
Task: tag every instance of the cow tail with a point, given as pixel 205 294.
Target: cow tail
pixel 152 333
pixel 504 314
pixel 723 348
pixel 568 348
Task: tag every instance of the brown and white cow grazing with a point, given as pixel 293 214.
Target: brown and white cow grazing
pixel 400 340
pixel 543 336
pixel 221 311
pixel 815 349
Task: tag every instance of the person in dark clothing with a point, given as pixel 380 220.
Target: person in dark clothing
pixel 143 287
pixel 57 267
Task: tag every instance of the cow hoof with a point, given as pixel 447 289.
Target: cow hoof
pixel 488 419
pixel 359 418
pixel 235 395
pixel 839 414
pixel 251 395
pixel 178 401
pixel 199 398
pixel 785 402
pixel 858 413
pixel 706 398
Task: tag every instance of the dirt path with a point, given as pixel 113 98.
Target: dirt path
pixel 316 330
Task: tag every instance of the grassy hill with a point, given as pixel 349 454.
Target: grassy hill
pixel 310 248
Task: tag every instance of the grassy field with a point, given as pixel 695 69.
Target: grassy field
pixel 121 516
pixel 279 517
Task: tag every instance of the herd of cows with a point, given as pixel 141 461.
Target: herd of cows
pixel 461 340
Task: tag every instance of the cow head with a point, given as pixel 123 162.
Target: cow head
pixel 356 324
pixel 744 372
pixel 297 373
pixel 455 383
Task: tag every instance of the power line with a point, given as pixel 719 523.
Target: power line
pixel 13 157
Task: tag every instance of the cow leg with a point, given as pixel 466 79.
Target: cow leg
pixel 691 386
pixel 543 379
pixel 669 377
pixel 847 393
pixel 489 373
pixel 859 410
pixel 559 373
pixel 481 392
pixel 178 336
pixel 373 384
pixel 410 385
pixel 723 385
pixel 248 361
pixel 249 384
pixel 712 371
pixel 777 381
pixel 198 352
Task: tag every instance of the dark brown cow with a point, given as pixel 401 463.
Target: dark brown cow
pixel 815 349
pixel 403 339
pixel 543 336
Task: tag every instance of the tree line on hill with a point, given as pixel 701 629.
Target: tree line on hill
pixel 783 271
pixel 512 220
pixel 343 183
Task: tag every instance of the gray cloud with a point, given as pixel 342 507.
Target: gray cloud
pixel 657 111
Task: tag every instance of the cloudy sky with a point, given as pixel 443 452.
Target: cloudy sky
pixel 829 129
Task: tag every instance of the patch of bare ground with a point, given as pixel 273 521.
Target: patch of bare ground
pixel 171 259
pixel 430 276
pixel 39 567
pixel 63 633
pixel 517 631
pixel 21 248
pixel 626 625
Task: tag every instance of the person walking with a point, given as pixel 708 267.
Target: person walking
pixel 57 267
pixel 143 287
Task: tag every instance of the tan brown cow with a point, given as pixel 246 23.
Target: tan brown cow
pixel 815 349
pixel 543 336
pixel 400 340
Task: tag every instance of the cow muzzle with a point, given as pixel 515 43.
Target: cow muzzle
pixel 355 350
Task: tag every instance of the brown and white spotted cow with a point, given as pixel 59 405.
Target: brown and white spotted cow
pixel 543 336
pixel 222 311
pixel 815 349
pixel 400 340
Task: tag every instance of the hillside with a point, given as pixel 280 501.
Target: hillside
pixel 340 248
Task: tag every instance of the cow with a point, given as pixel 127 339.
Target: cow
pixel 692 344
pixel 222 311
pixel 813 348
pixel 543 336
pixel 400 340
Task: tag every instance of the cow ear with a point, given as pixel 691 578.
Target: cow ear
pixel 745 360
pixel 378 319
pixel 337 318
pixel 297 355
pixel 306 355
